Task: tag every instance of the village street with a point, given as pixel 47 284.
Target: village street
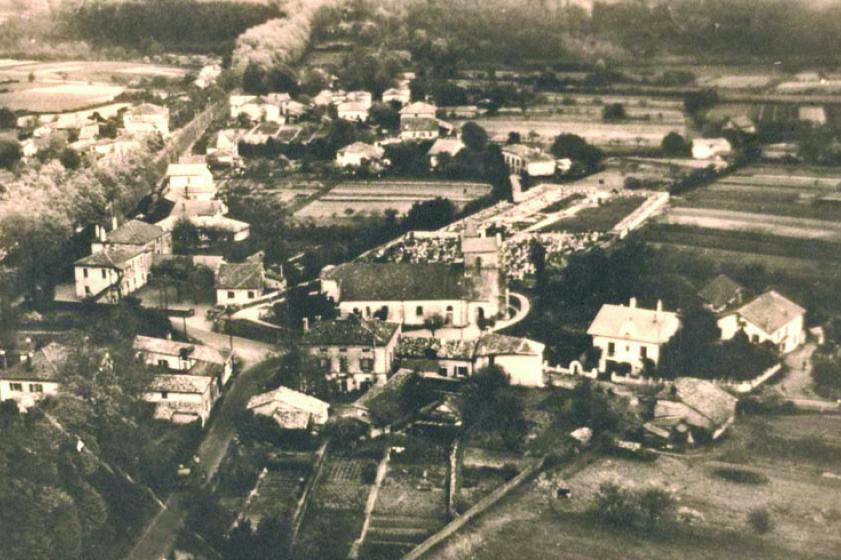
pixel 160 535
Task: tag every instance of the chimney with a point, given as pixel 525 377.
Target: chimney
pixel 169 335
pixel 4 363
pixel 659 305
pixel 306 324
pixel 633 303
pixel 28 360
pixel 114 223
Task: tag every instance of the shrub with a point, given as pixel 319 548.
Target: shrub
pixel 740 476
pixel 760 520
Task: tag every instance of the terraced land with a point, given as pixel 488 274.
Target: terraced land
pixel 336 512
pixel 786 219
pixel 601 218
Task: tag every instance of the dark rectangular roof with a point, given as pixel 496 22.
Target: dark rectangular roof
pixel 240 276
pixel 721 292
pixel 349 332
pixel 401 281
pixel 44 366
pixel 134 232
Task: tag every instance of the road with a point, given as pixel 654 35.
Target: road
pixel 160 535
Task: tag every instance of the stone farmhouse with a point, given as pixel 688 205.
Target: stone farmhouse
pixel 190 179
pixel 147 118
pixel 35 377
pixel 239 283
pixel 355 353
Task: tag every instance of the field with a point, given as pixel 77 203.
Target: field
pixel 783 218
pixel 374 198
pixel 335 515
pixel 277 493
pixel 601 218
pixel 787 480
pixel 66 86
pixel 603 134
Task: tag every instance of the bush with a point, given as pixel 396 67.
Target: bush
pixel 622 507
pixel 369 472
pixel 740 476
pixel 760 520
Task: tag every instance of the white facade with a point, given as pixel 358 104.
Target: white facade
pixel 354 112
pixel 190 182
pixel 457 313
pixel 523 160
pixel 237 296
pixel 394 95
pixel 786 338
pixel 147 119
pixel 358 153
pixel 26 393
pixel 123 277
pixel 711 148
pixel 181 407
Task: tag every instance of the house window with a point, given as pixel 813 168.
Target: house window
pixel 366 364
pixel 85 272
pixel 442 371
pixel 611 348
pixel 36 388
pixel 419 311
pixel 643 352
pixel 461 371
pixel 343 364
pixel 16 387
pixel 87 290
pixel 103 273
pixel 163 363
pixel 230 295
pixel 164 395
pixel 250 294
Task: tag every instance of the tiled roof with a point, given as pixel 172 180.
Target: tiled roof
pixel 701 404
pixel 46 365
pixel 770 311
pixel 420 123
pixel 487 244
pixel 634 323
pixel 418 107
pixel 450 146
pixel 134 232
pixel 186 169
pixel 351 107
pixel 148 109
pixel 240 276
pixel 500 344
pixel 284 396
pixel 349 332
pixel 180 383
pixel 174 348
pixel 486 345
pixel 401 282
pixel 114 258
pixel 364 149
pixel 721 291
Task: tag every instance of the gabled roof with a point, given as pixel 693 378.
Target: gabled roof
pixel 187 169
pixel 713 143
pixel 351 107
pixel 487 244
pixel 527 153
pixel 350 332
pixel 400 281
pixel 112 258
pixel 134 232
pixel 46 365
pixel 634 323
pixel 180 383
pixel 419 108
pixel 721 291
pixel 240 276
pixel 699 403
pixel 198 352
pixel 770 311
pixel 500 344
pixel 450 146
pixel 419 123
pixel 286 397
pixel 148 109
pixel 367 150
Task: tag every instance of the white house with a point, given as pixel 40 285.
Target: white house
pixel 418 110
pixel 522 159
pixel 424 128
pixel 770 317
pixel 181 398
pixel 35 377
pixel 170 356
pixel 225 148
pixel 292 410
pixel 237 102
pixel 521 358
pixel 120 261
pixel 239 283
pixel 355 353
pixel 450 146
pixel 364 98
pixel 147 118
pixel 711 148
pixel 358 153
pixel 397 95
pixel 208 76
pixel 631 335
pixel 262 133
pixel 352 111
pixel 119 148
pixel 190 180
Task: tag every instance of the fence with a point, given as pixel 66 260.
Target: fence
pixel 641 214
pixel 184 137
